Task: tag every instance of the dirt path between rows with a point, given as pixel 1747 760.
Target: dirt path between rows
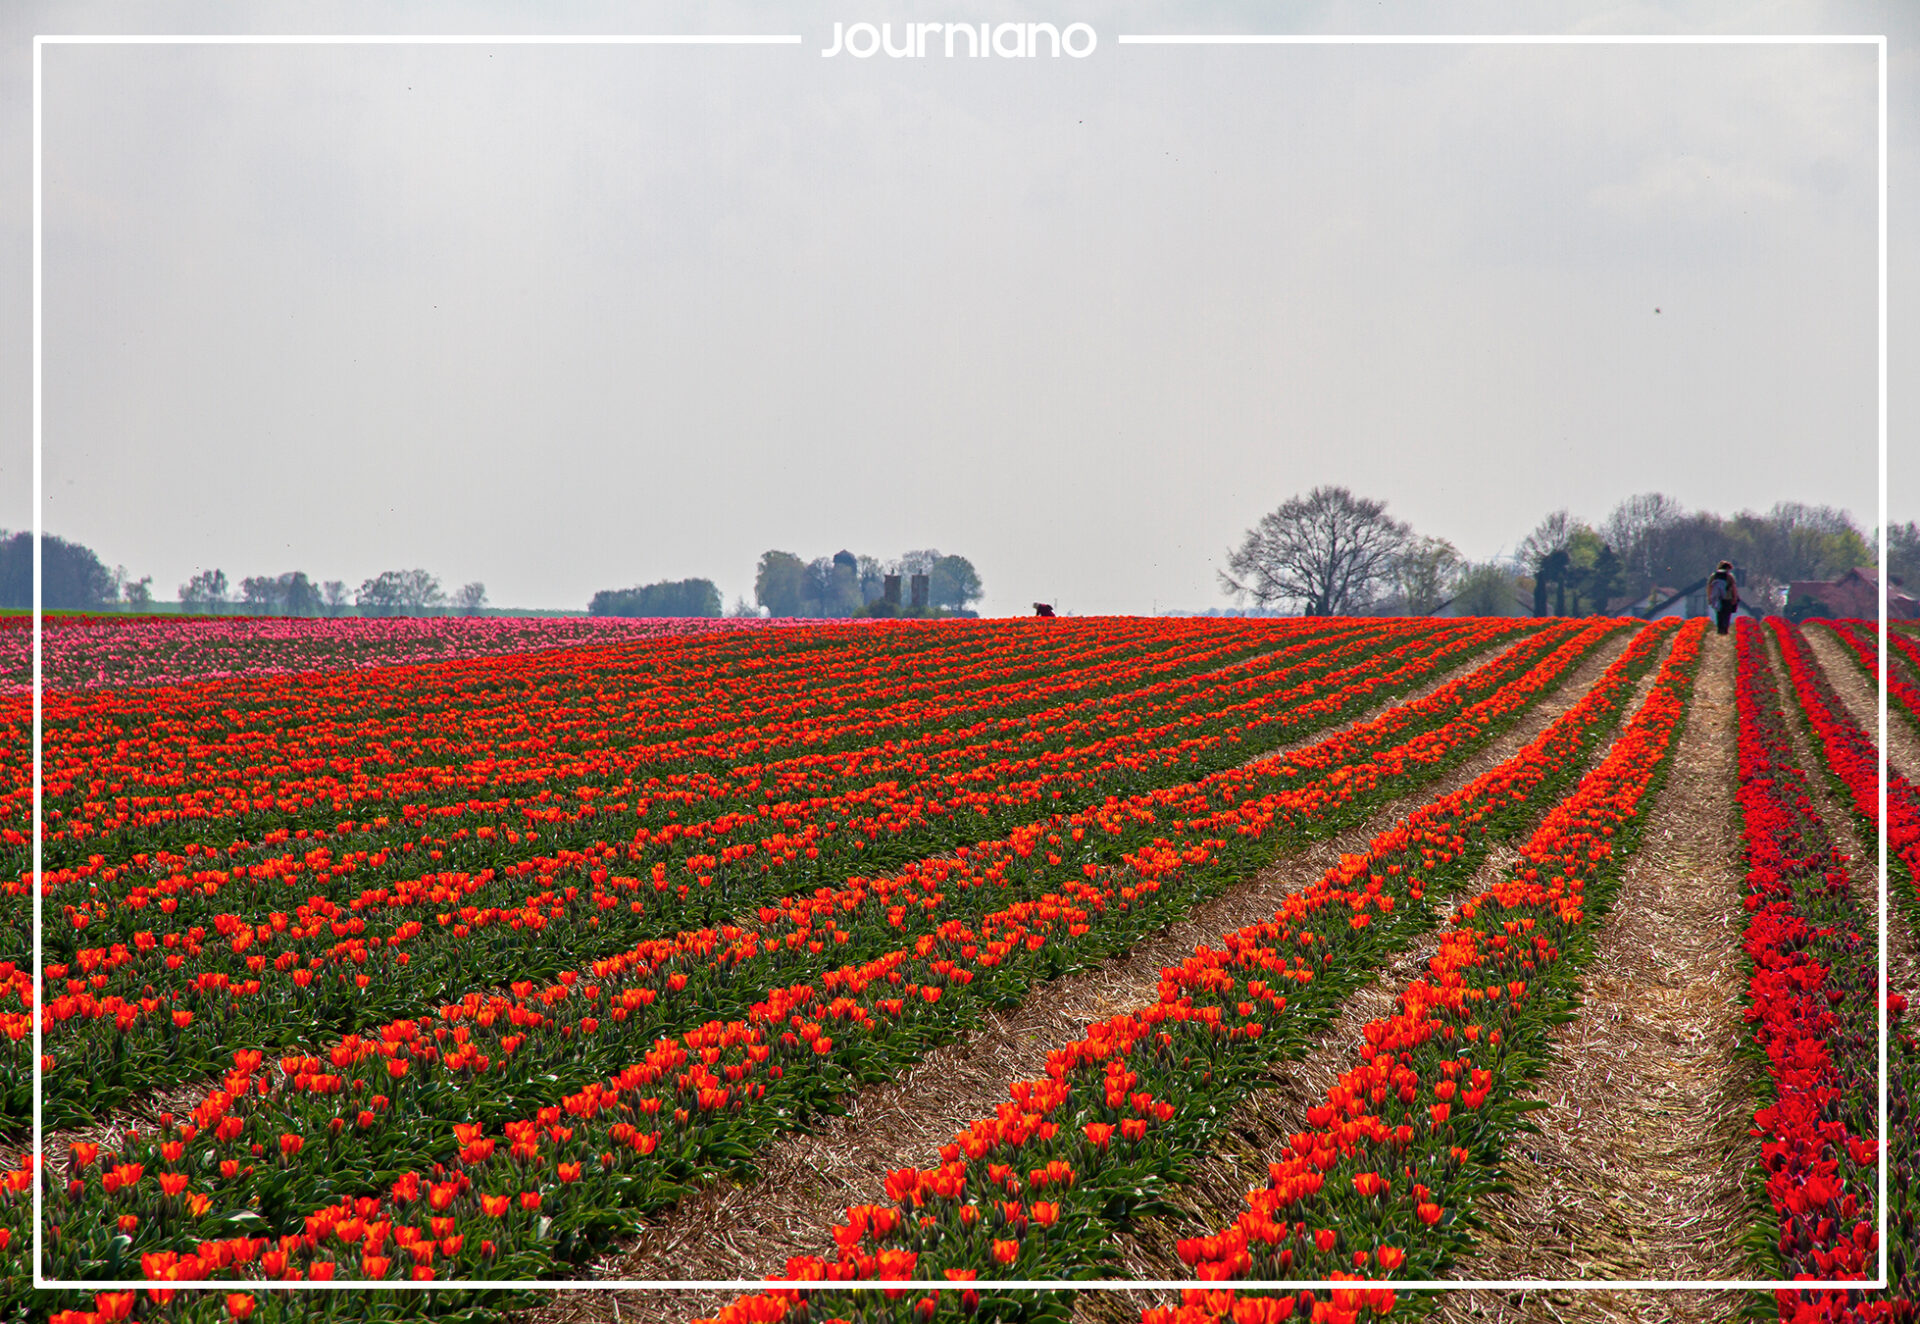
pixel 808 1179
pixel 1862 700
pixel 1637 1168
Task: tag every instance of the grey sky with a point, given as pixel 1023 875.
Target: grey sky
pixel 562 319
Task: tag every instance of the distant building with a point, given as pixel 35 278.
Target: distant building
pixel 1646 602
pixel 1855 595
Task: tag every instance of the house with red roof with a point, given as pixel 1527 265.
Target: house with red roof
pixel 1853 596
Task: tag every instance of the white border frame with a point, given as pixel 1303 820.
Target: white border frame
pixel 991 1284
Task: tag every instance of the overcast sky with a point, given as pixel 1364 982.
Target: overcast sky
pixel 563 319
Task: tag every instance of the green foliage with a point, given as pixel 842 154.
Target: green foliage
pixel 779 583
pixel 846 585
pixel 679 597
pixel 71 576
pixel 1423 574
pixel 1903 553
pixel 399 593
pixel 953 583
pixel 291 594
pixel 1661 545
pixel 1485 590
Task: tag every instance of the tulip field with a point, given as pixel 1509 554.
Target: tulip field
pixel 412 953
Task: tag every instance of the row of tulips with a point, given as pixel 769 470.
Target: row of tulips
pixel 108 1042
pixel 1852 759
pixel 210 764
pixel 1811 1002
pixel 1904 639
pixel 88 652
pixel 1383 1181
pixel 511 749
pixel 186 786
pixel 391 879
pixel 377 876
pixel 745 698
pixel 1038 1189
pixel 706 1098
pixel 280 760
pixel 989 900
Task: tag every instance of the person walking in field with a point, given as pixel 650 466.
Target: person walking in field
pixel 1723 595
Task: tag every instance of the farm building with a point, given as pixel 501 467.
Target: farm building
pixel 1855 595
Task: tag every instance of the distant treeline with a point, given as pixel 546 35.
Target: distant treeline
pixel 840 585
pixel 1330 552
pixel 73 578
pixel 676 597
pixel 848 585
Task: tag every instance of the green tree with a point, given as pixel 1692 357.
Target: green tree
pixel 1794 541
pixel 1903 553
pixel 873 580
pixel 1485 590
pixel 72 577
pixel 259 596
pixel 1604 579
pixel 954 583
pixel 1423 574
pixel 779 583
pixel 1632 530
pixel 400 593
pixel 678 597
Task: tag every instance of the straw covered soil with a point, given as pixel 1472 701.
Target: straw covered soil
pixel 1850 681
pixel 808 1179
pixel 1637 1169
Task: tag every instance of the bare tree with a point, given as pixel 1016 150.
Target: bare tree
pixel 1553 534
pixel 419 590
pixel 471 598
pixel 1328 551
pixel 919 562
pixel 334 594
pixel 1632 531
